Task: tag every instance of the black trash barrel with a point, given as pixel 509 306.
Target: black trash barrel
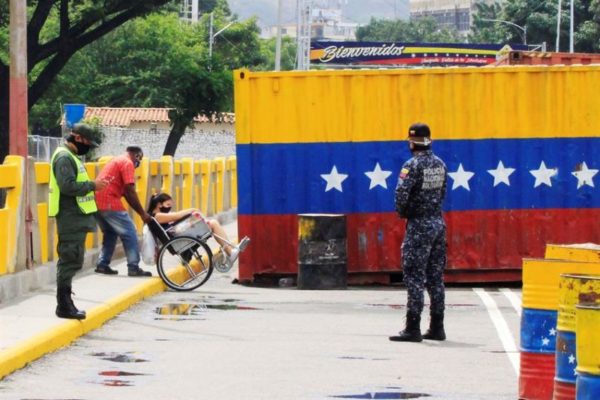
pixel 322 253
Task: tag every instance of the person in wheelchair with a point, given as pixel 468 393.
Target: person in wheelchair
pixel 160 207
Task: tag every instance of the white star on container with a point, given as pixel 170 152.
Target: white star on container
pixel 334 179
pixel 378 177
pixel 545 341
pixel 552 332
pixel 501 174
pixel 461 178
pixel 543 175
pixel 585 176
pixel 571 359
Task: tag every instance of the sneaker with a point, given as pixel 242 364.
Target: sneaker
pixel 139 272
pixel 235 252
pixel 243 243
pixel 105 270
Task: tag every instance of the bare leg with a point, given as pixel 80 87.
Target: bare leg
pixel 218 229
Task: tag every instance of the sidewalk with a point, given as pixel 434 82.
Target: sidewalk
pixel 30 329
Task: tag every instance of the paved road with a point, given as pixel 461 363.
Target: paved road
pixel 226 341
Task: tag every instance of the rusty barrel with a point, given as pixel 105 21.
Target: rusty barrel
pixel 322 252
pixel 588 351
pixel 538 323
pixel 573 289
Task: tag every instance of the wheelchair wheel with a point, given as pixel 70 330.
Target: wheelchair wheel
pixel 184 263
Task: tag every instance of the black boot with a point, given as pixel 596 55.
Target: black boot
pixel 65 307
pixel 412 332
pixel 436 327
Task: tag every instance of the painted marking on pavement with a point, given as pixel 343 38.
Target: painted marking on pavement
pixel 501 327
pixel 514 299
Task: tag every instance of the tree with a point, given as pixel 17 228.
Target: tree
pixel 421 30
pixel 77 23
pixel 157 61
pixel 486 31
pixel 539 17
pixel 288 54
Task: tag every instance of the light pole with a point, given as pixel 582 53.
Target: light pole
pixel 212 36
pixel 522 28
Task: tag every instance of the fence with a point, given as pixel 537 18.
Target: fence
pixel 41 148
pixel 209 185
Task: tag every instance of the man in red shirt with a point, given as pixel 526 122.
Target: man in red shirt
pixel 112 217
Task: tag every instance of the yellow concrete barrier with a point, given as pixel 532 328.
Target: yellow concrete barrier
pixel 210 185
pixel 11 179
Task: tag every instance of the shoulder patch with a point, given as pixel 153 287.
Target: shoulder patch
pixel 404 173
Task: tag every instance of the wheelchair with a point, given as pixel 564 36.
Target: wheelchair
pixel 184 261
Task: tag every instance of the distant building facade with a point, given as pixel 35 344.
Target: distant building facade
pixel 450 14
pixel 327 22
pixel 190 10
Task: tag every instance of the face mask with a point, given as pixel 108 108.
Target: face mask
pixel 136 163
pixel 82 148
pixel 165 209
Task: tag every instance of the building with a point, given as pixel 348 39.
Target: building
pixel 450 14
pixel 190 10
pixel 327 23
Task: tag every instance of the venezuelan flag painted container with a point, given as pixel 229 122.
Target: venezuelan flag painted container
pixel 520 144
pixel 588 352
pixel 539 323
pixel 573 289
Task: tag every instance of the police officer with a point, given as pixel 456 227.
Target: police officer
pixel 71 200
pixel 419 195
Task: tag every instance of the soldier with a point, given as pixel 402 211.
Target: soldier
pixel 419 195
pixel 71 200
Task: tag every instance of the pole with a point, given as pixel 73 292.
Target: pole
pixel 558 17
pixel 572 28
pixel 18 109
pixel 211 38
pixel 18 78
pixel 278 41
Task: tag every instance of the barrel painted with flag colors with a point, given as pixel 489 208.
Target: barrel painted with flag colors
pixel 539 329
pixel 588 352
pixel 573 290
pixel 520 144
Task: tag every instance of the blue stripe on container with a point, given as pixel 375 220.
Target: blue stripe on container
pixel 566 352
pixel 538 331
pixel 286 178
pixel 588 387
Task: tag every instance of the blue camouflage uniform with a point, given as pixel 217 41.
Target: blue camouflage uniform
pixel 419 195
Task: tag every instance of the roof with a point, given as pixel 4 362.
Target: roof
pixel 123 117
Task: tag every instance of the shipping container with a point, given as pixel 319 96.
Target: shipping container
pixel 521 146
pixel 547 58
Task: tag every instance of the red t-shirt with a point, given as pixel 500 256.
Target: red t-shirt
pixel 119 172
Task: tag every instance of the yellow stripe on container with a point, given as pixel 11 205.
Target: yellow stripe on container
pixel 588 345
pixel 573 290
pixel 379 105
pixel 541 278
pixel 574 252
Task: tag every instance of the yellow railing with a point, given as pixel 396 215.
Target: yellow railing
pixel 209 185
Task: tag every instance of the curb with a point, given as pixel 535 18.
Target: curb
pixel 31 349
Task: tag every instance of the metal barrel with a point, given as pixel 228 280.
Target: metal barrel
pixel 539 323
pixel 572 290
pixel 588 351
pixel 322 252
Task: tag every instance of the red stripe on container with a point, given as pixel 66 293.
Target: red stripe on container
pixel 536 380
pixel 478 241
pixel 564 391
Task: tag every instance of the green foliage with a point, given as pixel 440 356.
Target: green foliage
pixel 539 17
pixel 288 54
pixel 421 30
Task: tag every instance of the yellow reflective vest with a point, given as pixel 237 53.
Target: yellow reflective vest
pixel 86 203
